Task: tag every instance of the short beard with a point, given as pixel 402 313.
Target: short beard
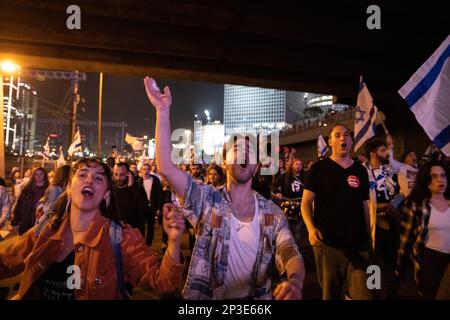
pixel 240 180
pixel 383 161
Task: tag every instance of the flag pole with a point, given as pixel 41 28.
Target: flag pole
pixel 382 123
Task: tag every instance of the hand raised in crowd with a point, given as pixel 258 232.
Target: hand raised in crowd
pixel 161 101
pixel 173 222
pixel 315 237
pixel 288 290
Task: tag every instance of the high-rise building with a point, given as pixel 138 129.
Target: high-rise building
pixel 324 102
pixel 249 109
pixel 19 107
pixel 208 138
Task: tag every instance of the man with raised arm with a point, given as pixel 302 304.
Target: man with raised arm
pixel 238 231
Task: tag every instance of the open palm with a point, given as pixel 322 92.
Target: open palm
pixel 161 101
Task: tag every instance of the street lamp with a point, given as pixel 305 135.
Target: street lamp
pixel 7 68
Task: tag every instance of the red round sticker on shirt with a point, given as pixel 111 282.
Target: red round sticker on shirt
pixel 353 181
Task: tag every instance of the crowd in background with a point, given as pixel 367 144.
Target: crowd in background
pixel 408 198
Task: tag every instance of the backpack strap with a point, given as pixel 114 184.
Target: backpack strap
pixel 115 235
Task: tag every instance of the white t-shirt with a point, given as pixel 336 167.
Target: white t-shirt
pixel 148 187
pixel 406 178
pixel 244 242
pixel 439 231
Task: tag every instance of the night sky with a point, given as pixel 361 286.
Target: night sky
pixel 124 99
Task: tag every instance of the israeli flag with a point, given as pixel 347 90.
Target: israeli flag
pixel 46 152
pixel 427 94
pixel 366 114
pixel 61 160
pixel 322 147
pixel 76 144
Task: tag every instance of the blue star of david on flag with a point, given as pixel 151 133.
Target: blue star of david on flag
pixel 361 114
pixel 365 127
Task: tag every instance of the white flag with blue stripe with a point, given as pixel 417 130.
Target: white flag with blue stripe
pixel 366 113
pixel 322 146
pixel 427 94
pixel 76 144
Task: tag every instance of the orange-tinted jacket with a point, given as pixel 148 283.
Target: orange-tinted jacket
pixel 95 258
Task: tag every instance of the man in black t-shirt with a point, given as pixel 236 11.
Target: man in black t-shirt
pixel 336 213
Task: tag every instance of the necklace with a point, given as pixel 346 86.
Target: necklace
pixel 239 226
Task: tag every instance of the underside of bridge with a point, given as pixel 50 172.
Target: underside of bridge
pixel 312 46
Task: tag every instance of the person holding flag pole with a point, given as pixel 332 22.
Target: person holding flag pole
pixel 384 203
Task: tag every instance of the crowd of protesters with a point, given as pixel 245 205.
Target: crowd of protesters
pixel 355 212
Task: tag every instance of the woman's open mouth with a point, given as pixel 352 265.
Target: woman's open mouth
pixel 87 192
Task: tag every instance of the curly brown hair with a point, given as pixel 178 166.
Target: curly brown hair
pixel 61 206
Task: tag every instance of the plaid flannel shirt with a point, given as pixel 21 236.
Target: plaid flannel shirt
pixel 209 211
pixel 414 232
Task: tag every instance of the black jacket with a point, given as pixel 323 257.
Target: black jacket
pixel 156 195
pixel 133 205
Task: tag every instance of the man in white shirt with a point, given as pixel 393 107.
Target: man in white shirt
pixel 154 191
pixel 214 268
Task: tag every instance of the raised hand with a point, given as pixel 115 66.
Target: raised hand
pixel 173 222
pixel 161 101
